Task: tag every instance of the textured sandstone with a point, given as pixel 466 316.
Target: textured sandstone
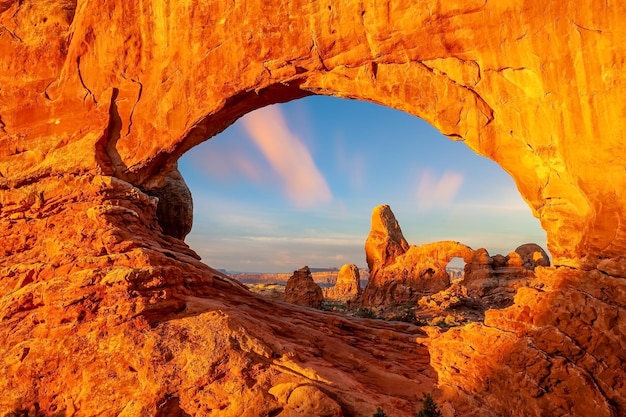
pixel 496 279
pixel 532 256
pixel 385 241
pixel 348 285
pixel 175 206
pixel 302 290
pixel 102 313
pixel 399 272
pixel 554 352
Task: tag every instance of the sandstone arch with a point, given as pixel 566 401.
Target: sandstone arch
pixel 454 73
pixel 110 94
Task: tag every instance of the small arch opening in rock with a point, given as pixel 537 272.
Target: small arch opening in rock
pixel 294 184
pixel 455 268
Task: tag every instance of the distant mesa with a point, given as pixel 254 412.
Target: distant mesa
pixel 302 290
pixel 322 276
pixel 348 285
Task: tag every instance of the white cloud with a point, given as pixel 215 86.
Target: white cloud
pixel 436 192
pixel 330 240
pixel 302 182
pixel 352 164
pixel 226 162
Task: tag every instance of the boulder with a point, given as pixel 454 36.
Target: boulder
pixel 175 205
pixel 532 256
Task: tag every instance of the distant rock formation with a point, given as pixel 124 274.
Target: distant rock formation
pixel 532 256
pixel 496 279
pixel 348 285
pixel 399 272
pixel 320 276
pixel 302 290
pixel 385 241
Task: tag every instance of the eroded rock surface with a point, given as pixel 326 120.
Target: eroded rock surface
pixel 532 256
pixel 348 285
pixel 551 345
pixel 175 206
pixel 302 290
pixel 385 241
pixel 103 314
pixel 399 272
pixel 496 279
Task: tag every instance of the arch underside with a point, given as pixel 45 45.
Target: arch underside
pixel 89 140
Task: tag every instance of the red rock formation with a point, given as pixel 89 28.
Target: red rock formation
pixel 302 290
pixel 497 279
pixel 551 353
pixel 104 314
pixel 175 206
pixel 348 285
pixel 532 256
pixel 385 241
pixel 401 273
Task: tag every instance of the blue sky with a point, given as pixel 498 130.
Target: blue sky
pixel 295 184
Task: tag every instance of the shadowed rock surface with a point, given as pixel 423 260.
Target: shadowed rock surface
pixel 101 313
pixel 302 290
pixel 532 256
pixel 175 206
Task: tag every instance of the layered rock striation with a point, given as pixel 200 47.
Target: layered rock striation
pixel 105 311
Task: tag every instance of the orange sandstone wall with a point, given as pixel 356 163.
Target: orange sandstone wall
pixel 127 87
pixel 99 99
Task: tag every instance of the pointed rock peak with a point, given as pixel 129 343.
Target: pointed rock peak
pixel 303 272
pixel 348 274
pixel 385 241
pixel 348 285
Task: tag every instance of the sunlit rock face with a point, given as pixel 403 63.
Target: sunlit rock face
pixel 105 314
pixel 400 272
pixel 348 285
pixel 496 279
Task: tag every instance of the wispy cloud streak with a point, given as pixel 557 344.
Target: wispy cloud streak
pixel 303 183
pixel 433 192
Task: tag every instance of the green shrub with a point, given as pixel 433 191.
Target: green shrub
pixel 429 408
pixel 379 413
pixel 365 313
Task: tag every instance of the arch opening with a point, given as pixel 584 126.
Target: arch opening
pixel 334 161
